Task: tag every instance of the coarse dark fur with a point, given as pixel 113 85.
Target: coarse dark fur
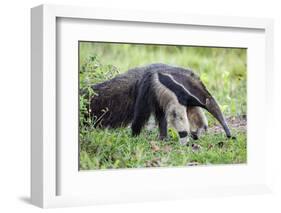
pixel 113 106
pixel 115 99
pixel 132 97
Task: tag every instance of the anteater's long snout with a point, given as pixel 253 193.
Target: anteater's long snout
pixel 214 109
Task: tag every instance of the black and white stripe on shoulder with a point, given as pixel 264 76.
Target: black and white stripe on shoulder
pixel 184 96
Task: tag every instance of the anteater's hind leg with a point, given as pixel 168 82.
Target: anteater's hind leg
pixel 143 106
pixel 141 115
pixel 162 122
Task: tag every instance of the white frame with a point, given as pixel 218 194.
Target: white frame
pixel 43 106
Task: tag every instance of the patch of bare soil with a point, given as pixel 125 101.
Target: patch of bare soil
pixel 239 123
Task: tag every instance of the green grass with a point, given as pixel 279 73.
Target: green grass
pixel 103 149
pixel 223 71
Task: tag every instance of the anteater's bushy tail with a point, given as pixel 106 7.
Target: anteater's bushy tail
pixel 113 104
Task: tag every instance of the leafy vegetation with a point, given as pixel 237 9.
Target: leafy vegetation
pixel 223 71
